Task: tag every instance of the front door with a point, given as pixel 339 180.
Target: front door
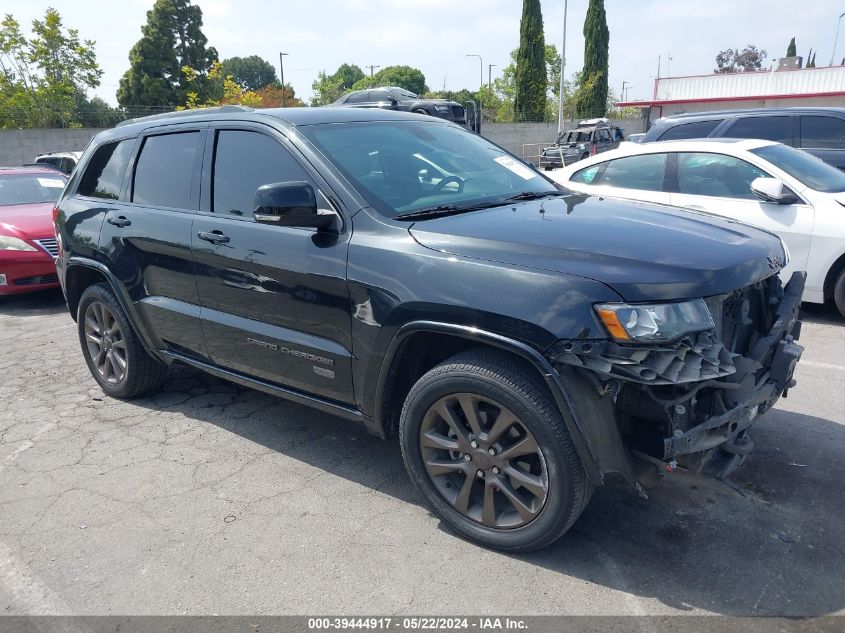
pixel 721 184
pixel 275 303
pixel 147 237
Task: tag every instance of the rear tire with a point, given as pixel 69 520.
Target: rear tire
pixel 533 486
pixel 839 293
pixel 113 352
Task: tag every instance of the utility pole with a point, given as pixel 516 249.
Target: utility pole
pixel 562 67
pixel 835 41
pixel 282 68
pixel 625 86
pixel 372 69
pixel 659 60
pixel 669 58
pixel 480 87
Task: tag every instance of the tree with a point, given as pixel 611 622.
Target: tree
pixel 172 39
pixel 41 76
pixel 811 59
pixel 411 79
pixel 250 73
pixel 271 96
pixel 217 89
pixel 530 75
pixel 593 101
pixel 790 50
pixel 329 88
pixel 748 59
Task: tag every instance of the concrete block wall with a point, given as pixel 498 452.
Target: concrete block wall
pixel 22 146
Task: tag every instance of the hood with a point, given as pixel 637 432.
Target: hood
pixel 31 221
pixel 643 251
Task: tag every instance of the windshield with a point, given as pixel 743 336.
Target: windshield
pixel 30 188
pixel 403 167
pixel 812 171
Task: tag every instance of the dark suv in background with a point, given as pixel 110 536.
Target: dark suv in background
pixel 819 131
pixel 524 343
pixel 592 136
pixel 393 98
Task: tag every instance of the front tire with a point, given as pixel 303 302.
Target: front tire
pixel 113 352
pixel 486 446
pixel 839 293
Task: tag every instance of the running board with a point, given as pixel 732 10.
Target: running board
pixel 327 406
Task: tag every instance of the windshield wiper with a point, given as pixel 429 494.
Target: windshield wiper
pixel 454 209
pixel 441 211
pixel 532 195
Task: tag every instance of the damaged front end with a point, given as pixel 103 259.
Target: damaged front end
pixel 687 402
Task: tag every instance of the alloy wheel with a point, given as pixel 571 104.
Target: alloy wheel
pixel 484 461
pixel 105 343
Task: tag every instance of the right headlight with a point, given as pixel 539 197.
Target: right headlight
pixel 9 243
pixel 654 322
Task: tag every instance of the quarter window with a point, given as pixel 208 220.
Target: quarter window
pixel 699 129
pixel 165 170
pixel 644 172
pixel 586 176
pixel 243 162
pixel 769 128
pixel 822 132
pixel 104 174
pixel 703 174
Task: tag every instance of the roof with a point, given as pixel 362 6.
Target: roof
pixel 290 116
pixel 31 169
pixel 785 84
pixel 691 145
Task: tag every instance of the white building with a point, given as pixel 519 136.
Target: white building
pixel 765 89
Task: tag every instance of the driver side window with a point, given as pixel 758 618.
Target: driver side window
pixel 244 161
pixel 704 174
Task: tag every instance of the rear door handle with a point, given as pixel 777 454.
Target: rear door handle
pixel 119 221
pixel 215 237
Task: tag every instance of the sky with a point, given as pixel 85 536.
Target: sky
pixel 437 35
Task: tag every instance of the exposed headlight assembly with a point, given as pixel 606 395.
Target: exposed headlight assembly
pixel 8 243
pixel 654 322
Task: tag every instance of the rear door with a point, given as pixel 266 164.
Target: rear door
pixel 721 184
pixel 275 299
pixel 639 177
pixel 823 136
pixel 778 128
pixel 147 236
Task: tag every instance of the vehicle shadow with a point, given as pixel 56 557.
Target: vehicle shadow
pixel 770 543
pixel 825 314
pixel 40 303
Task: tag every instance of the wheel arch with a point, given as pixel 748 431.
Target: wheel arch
pixel 404 363
pixel 83 272
pixel 832 275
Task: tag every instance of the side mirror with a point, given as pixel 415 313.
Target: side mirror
pixel 394 103
pixel 289 204
pixel 773 190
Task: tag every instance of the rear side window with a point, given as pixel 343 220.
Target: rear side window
pixel 704 174
pixel 244 161
pixel 822 132
pixel 699 129
pixel 769 128
pixel 643 172
pixel 165 170
pixel 358 97
pixel 104 174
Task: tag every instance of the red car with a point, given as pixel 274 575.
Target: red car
pixel 27 237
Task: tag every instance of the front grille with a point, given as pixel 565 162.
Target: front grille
pixel 457 112
pixel 50 245
pixel 36 281
pixel 742 316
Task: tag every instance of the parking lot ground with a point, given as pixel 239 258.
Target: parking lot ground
pixel 211 498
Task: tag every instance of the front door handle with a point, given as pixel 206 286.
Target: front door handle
pixel 119 221
pixel 215 237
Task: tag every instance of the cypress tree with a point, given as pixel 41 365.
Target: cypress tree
pixel 172 38
pixel 596 43
pixel 530 76
pixel 790 50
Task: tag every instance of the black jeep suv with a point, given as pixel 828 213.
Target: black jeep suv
pixel 524 343
pixel 393 98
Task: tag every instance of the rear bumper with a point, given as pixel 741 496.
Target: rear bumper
pixel 27 272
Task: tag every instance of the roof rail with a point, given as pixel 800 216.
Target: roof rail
pixel 185 113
